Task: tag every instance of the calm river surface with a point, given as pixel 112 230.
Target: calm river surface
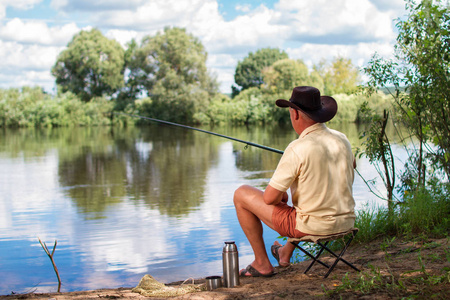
pixel 125 202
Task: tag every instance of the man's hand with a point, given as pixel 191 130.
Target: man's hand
pixel 285 197
pixel 272 196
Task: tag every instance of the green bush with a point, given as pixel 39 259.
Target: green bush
pixel 426 211
pixel 32 107
pixel 349 105
pixel 217 111
pixel 246 108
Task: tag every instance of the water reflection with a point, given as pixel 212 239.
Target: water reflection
pixel 165 168
pixel 124 202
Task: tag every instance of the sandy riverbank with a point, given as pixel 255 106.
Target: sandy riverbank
pixel 392 269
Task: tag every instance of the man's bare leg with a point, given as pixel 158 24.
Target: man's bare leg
pixel 285 253
pixel 251 210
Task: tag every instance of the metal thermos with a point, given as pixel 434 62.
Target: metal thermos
pixel 230 261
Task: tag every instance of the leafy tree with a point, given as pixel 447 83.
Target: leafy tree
pixel 419 79
pixel 340 77
pixel 316 80
pixel 249 71
pixel 171 68
pixel 286 74
pixel 378 148
pixel 92 65
pixel 134 78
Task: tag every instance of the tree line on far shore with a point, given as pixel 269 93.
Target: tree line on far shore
pixel 165 77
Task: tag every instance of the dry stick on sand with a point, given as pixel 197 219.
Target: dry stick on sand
pixel 44 246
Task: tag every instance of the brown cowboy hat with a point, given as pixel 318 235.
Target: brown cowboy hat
pixel 307 99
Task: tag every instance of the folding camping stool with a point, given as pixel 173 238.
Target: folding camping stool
pixel 319 240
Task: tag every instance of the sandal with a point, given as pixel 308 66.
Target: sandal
pixel 254 273
pixel 274 250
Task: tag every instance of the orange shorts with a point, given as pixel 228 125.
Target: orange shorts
pixel 283 219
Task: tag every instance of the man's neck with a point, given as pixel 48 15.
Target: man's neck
pixel 302 124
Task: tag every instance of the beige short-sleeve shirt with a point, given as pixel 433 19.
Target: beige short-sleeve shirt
pixel 318 168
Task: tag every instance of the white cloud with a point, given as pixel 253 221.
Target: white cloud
pixel 243 7
pixel 37 32
pixel 27 65
pixel 27 57
pixel 30 49
pixel 93 6
pixel 155 15
pixel 336 22
pixel 246 33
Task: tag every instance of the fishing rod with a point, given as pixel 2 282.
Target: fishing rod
pixel 231 138
pixel 205 131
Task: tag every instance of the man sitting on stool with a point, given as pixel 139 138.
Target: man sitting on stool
pixel 318 167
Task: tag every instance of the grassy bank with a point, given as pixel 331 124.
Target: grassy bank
pixel 403 252
pixel 424 212
pixel 406 238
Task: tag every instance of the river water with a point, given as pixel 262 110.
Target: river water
pixel 125 202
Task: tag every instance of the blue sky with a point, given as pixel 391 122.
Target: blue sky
pixel 33 32
pixel 232 9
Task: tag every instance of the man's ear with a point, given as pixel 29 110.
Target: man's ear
pixel 296 114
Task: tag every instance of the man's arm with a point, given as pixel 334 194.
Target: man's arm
pixel 272 196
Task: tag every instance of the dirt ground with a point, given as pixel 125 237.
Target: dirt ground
pixel 391 269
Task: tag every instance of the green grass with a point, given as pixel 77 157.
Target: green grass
pixel 424 212
pixel 375 281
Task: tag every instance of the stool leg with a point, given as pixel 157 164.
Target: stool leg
pixel 311 256
pixel 339 257
pixel 316 258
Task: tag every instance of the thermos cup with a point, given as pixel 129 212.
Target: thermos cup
pixel 230 261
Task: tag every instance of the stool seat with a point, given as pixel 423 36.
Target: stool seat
pixel 322 241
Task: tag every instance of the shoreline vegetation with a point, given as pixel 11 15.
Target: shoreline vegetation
pixel 30 107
